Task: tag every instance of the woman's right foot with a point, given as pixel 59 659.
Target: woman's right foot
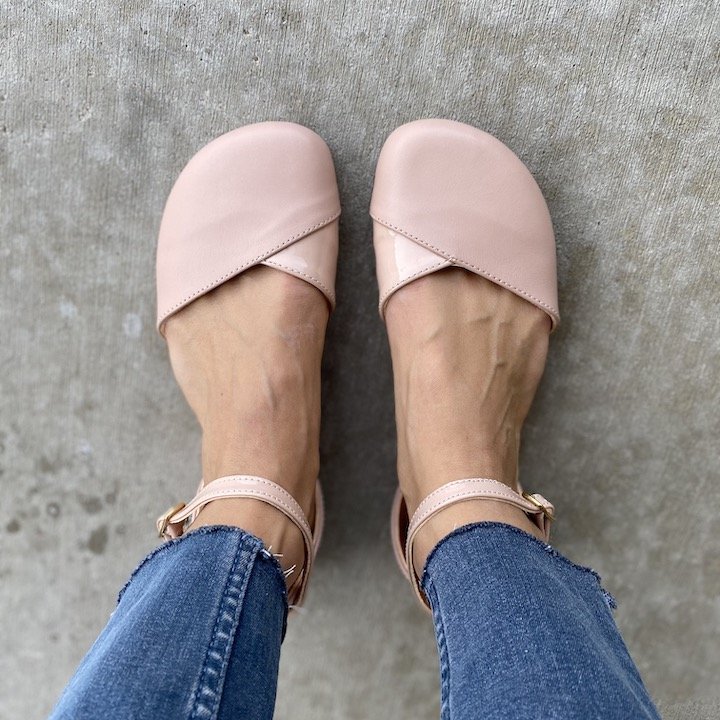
pixel 467 358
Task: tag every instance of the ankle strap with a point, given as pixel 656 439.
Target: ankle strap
pixel 172 523
pixel 535 506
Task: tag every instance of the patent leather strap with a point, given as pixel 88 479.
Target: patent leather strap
pixel 535 506
pixel 173 523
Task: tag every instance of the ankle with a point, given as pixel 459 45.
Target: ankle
pixel 418 477
pixel 293 466
pixel 279 534
pixel 466 513
pixel 269 429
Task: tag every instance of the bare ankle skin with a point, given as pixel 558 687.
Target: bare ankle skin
pixel 247 358
pixel 467 359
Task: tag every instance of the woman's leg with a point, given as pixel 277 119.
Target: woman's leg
pixel 198 628
pixel 196 634
pixel 522 632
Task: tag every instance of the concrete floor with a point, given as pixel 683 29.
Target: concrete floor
pixel 613 106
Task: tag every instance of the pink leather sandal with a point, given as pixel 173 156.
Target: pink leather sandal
pixel 449 195
pixel 262 194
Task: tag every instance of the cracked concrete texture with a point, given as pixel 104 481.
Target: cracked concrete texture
pixel 613 106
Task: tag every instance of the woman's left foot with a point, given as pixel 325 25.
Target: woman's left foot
pixel 247 357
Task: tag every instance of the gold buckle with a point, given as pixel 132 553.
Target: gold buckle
pixel 164 520
pixel 539 505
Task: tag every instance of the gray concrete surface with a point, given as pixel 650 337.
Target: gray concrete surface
pixel 614 107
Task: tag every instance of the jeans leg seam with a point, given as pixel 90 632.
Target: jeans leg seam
pixel 443 657
pixel 205 701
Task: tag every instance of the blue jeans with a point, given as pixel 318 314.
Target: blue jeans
pixel 522 632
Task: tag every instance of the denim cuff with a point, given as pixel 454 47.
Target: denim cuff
pixel 524 541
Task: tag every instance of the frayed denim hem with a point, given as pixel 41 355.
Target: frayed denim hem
pixel 505 527
pixel 253 542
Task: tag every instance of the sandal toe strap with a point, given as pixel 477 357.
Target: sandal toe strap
pixel 172 523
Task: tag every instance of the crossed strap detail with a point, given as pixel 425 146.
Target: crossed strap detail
pixel 172 524
pixel 537 508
